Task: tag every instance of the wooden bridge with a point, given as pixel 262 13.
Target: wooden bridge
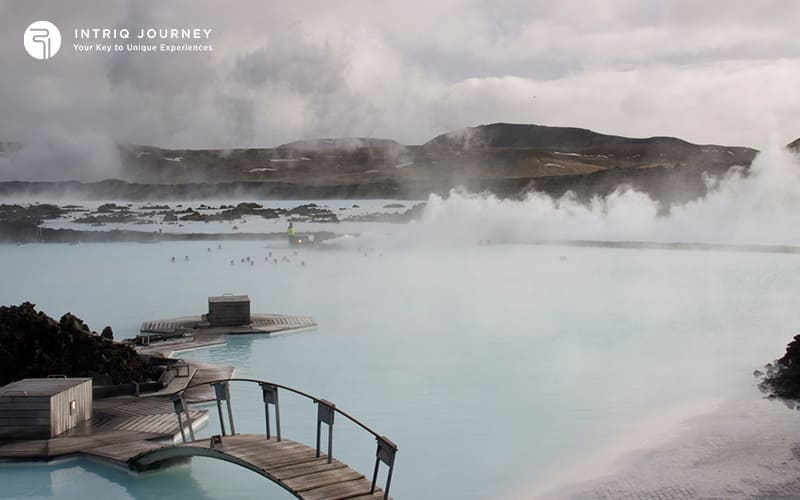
pixel 306 472
pixel 131 433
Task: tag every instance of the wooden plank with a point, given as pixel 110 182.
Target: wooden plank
pixel 244 445
pixel 116 437
pixel 291 458
pixel 23 413
pixel 284 458
pixel 257 448
pixel 133 406
pixel 320 479
pixel 15 449
pixel 42 431
pixel 166 424
pixel 260 447
pixel 100 423
pixel 123 452
pixel 309 467
pixel 339 491
pixel 206 373
pixel 24 404
pixel 9 419
pixel 296 457
pixel 245 451
pixel 66 446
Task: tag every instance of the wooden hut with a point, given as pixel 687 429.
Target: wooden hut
pixel 41 408
pixel 228 310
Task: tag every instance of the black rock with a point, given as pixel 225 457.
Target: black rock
pixel 107 333
pixel 784 379
pixel 33 344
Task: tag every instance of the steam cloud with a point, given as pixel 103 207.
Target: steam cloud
pixel 758 207
pixel 284 71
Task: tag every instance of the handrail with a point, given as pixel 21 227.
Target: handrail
pixel 290 389
pixel 326 410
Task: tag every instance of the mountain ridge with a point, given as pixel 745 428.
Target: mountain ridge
pixel 503 158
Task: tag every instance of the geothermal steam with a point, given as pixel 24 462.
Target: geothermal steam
pixel 761 206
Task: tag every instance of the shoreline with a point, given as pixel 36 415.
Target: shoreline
pixel 74 237
pixel 734 449
pixel 27 236
pixel 651 430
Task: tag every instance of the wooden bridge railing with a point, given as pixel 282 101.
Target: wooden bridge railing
pixel 386 449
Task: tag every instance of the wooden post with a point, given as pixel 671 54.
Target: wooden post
pixel 230 415
pixel 325 414
pixel 270 396
pixel 219 394
pixel 180 407
pixel 222 392
pixel 386 454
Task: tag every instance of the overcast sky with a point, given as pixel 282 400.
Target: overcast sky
pixel 721 71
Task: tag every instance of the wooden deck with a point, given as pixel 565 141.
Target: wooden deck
pixel 259 323
pixel 168 348
pixel 128 422
pixel 139 433
pixel 205 373
pixel 48 449
pixel 292 465
pixel 123 420
pixel 170 336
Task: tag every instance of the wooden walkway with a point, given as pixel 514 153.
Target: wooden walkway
pixel 116 422
pixel 169 336
pixel 292 465
pixel 259 323
pixel 119 420
pixel 139 433
pixel 206 372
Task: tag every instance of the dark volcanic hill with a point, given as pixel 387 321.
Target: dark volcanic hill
pixel 507 135
pixel 558 159
pixel 507 159
pixel 33 344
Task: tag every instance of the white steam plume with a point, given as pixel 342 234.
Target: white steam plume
pixel 759 207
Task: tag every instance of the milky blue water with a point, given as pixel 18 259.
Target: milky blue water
pixel 492 367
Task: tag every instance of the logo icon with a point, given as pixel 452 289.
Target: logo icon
pixel 42 40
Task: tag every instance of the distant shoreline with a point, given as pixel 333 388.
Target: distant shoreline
pixel 74 236
pixel 28 223
pixel 119 190
pixel 675 245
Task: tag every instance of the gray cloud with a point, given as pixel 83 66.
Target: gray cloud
pixel 708 71
pixel 305 69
